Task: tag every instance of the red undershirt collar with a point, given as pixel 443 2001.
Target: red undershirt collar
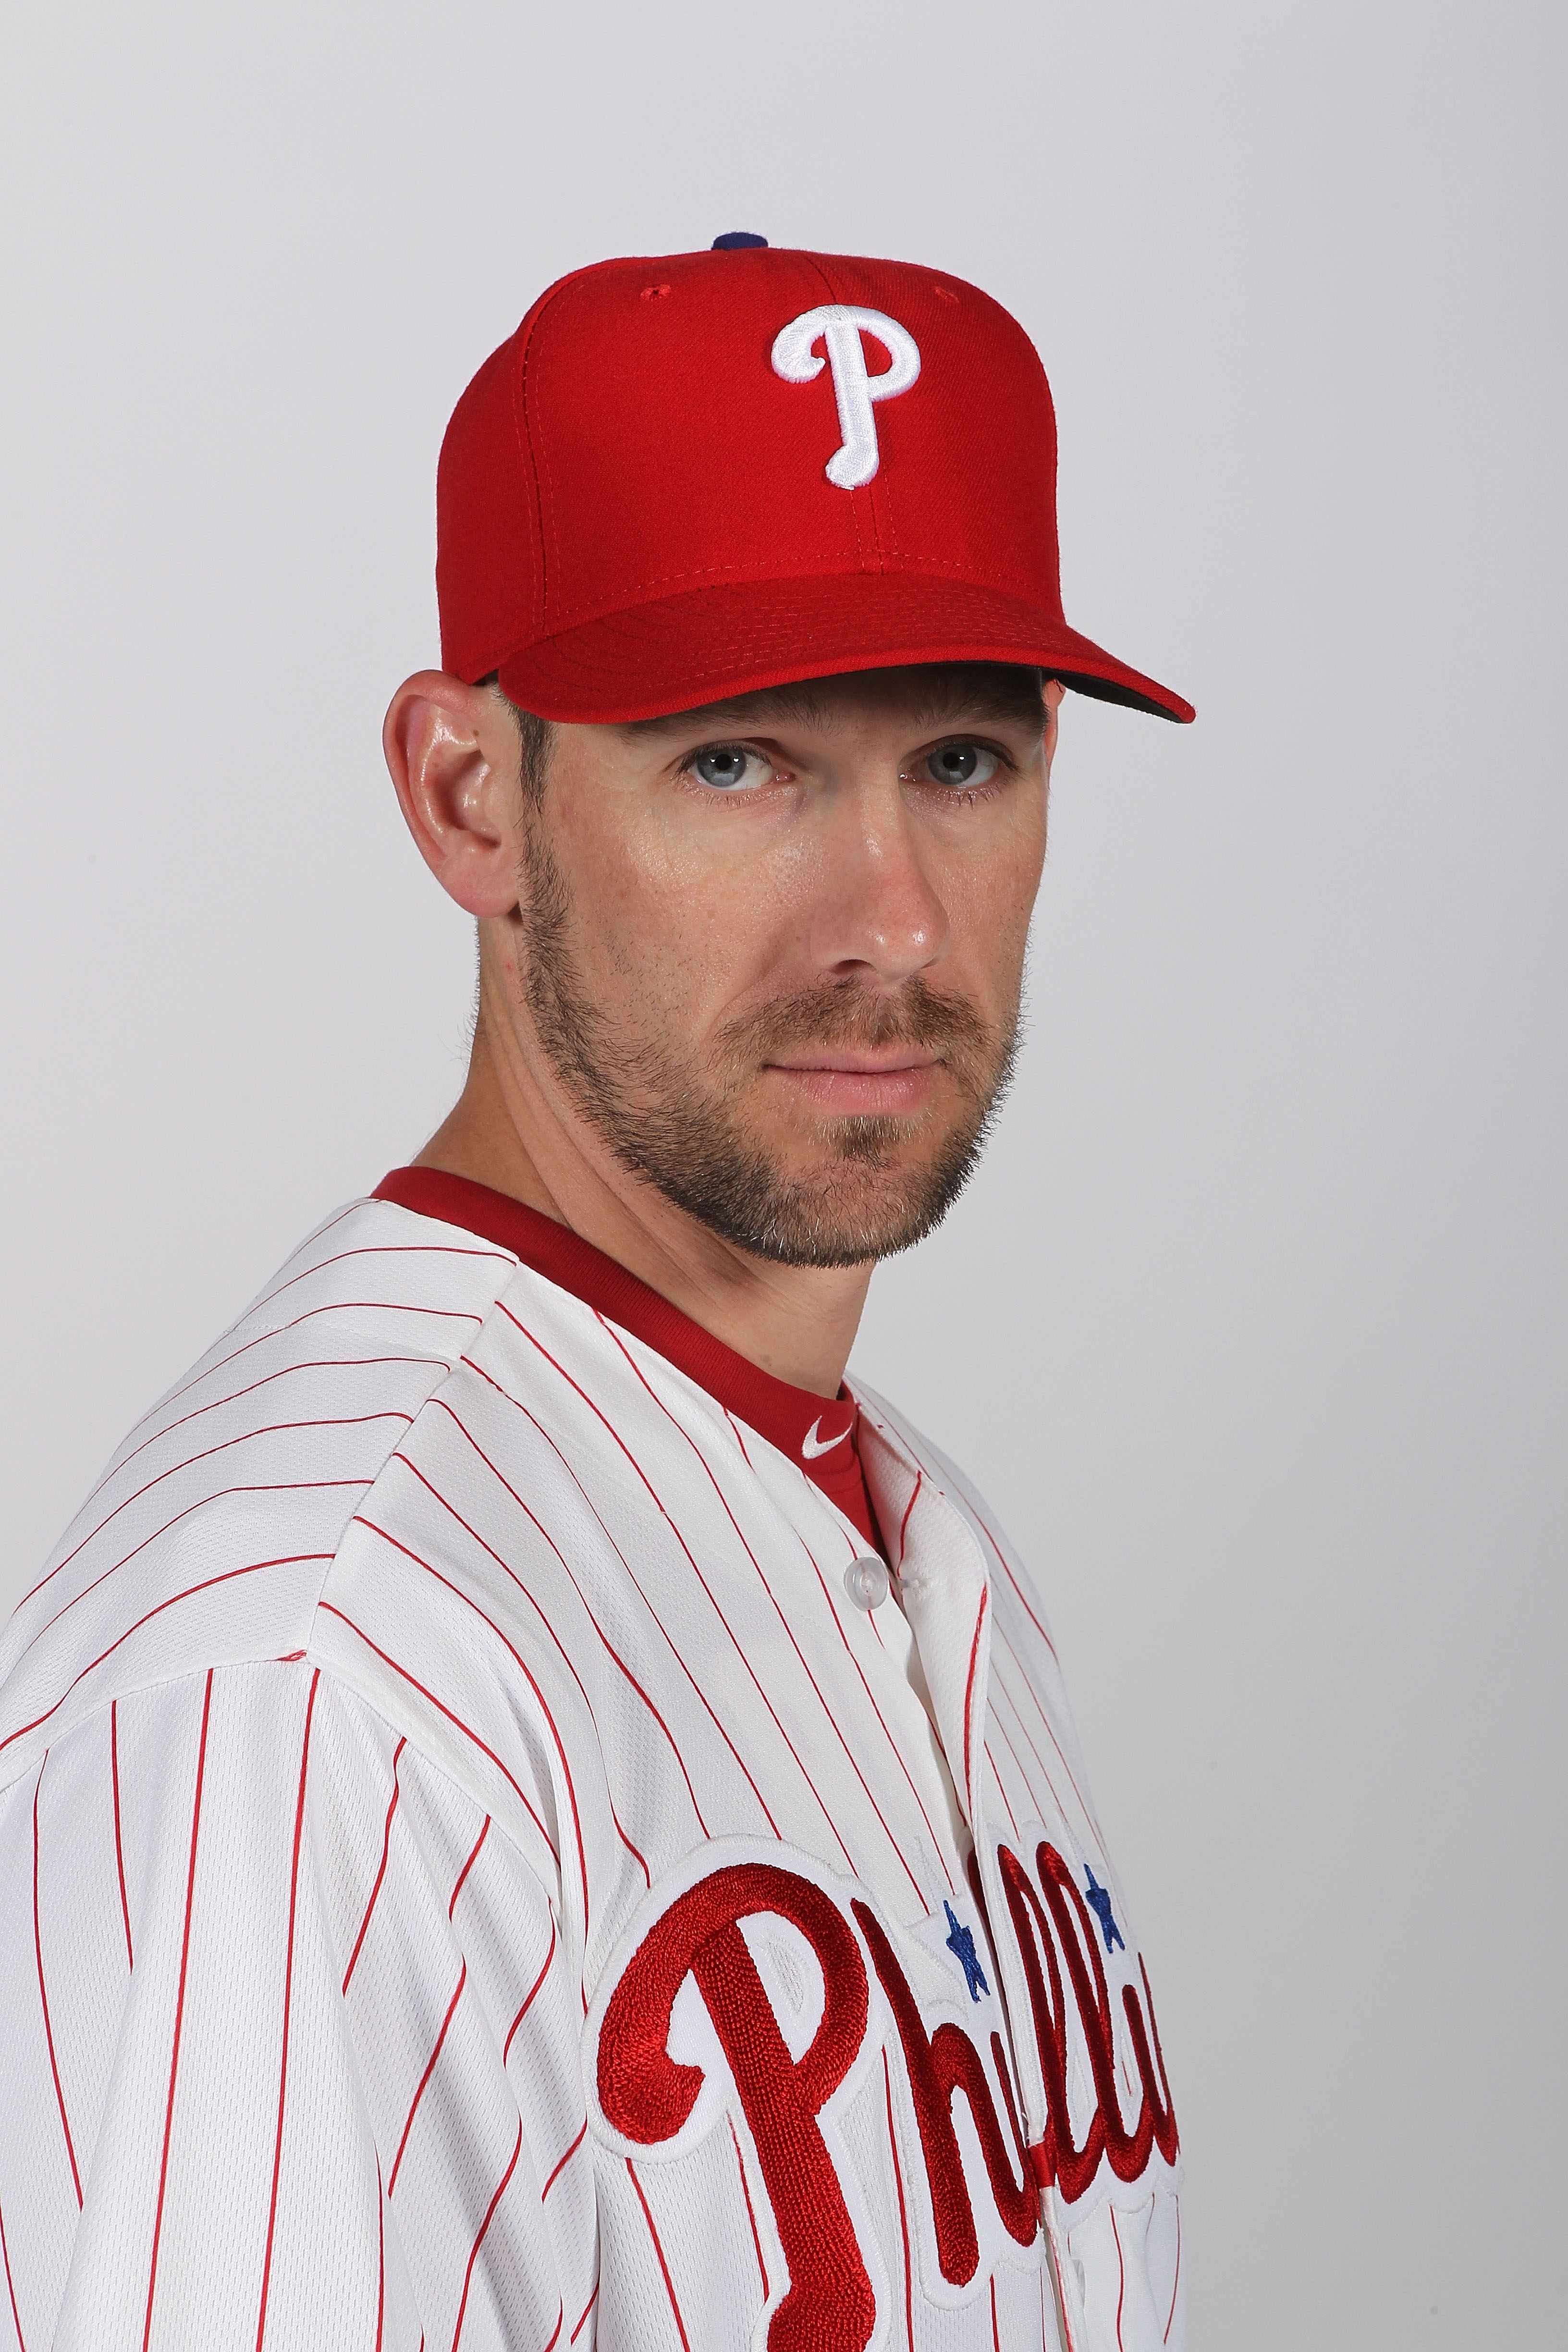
pixel 821 1435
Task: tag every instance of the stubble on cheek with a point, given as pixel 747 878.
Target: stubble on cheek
pixel 688 1120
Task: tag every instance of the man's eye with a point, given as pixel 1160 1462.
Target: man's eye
pixel 961 764
pixel 723 765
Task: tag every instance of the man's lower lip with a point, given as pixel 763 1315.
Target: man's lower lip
pixel 883 1092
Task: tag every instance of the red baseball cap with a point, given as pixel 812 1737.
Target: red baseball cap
pixel 686 478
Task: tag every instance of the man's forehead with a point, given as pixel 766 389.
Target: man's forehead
pixel 928 697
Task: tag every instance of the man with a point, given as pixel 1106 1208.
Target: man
pixel 529 1814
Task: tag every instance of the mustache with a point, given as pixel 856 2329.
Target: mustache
pixel 844 1012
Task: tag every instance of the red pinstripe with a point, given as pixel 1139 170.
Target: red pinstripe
pixel 1001 1792
pixel 381 1874
pixel 708 1588
pixel 827 1711
pixel 535 1521
pixel 380 2257
pixel 1084 1806
pixel 196 1378
pixel 1120 2273
pixel 675 1652
pixel 429 2070
pixel 1035 1756
pixel 587 2307
pixel 1175 2282
pixel 903 2211
pixel 209 1372
pixel 450 1508
pixel 11 2289
pixel 353 1305
pixel 969 1686
pixel 226 1445
pixel 284 1372
pixel 179 2011
pixel 658 2249
pixel 43 1996
pixel 288 2008
pixel 473 1857
pixel 253 1568
pixel 746 2193
pixel 119 1847
pixel 565 2161
pixel 533 1992
pixel 203 1502
pixel 522 1664
pixel 995 2337
pixel 892 1743
pixel 908 1506
pixel 312 1241
pixel 369 1306
pixel 479 2242
pixel 1006 1568
pixel 330 1306
pixel 789 1630
pixel 407 1463
pixel 457 1722
pixel 1029 1788
pixel 999 1689
pixel 373 1249
pixel 279 1330
pixel 638 1858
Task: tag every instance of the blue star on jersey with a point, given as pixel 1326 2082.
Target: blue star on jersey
pixel 961 1944
pixel 1099 1899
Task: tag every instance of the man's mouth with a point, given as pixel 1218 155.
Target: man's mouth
pixel 860 1082
pixel 868 1060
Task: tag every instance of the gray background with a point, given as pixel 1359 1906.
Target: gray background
pixel 1253 1325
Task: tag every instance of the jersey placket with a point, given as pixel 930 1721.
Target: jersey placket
pixel 944 1587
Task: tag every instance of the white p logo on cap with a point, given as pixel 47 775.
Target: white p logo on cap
pixel 839 326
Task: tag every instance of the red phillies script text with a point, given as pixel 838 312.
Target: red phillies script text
pixel 647 2096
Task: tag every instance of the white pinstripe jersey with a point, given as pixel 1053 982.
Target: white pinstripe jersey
pixel 470 1873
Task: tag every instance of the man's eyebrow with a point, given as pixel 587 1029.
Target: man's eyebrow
pixel 982 703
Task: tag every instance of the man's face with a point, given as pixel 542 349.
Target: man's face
pixel 772 951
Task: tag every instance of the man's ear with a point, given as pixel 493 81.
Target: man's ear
pixel 1054 693
pixel 456 757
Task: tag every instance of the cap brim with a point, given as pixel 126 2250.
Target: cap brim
pixel 712 643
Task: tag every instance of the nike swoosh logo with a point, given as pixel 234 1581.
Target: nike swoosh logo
pixel 811 1447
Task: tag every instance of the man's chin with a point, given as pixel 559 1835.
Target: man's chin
pixel 851 1208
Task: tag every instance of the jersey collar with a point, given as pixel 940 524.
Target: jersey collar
pixel 817 1433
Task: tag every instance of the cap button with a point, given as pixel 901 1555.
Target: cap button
pixel 735 240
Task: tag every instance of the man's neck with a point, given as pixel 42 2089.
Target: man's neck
pixel 797 1322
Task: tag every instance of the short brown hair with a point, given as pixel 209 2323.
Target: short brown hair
pixel 536 736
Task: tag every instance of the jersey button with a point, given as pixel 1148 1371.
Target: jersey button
pixel 865 1582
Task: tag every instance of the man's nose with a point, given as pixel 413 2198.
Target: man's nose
pixel 877 912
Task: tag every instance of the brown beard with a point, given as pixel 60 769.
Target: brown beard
pixel 677 1121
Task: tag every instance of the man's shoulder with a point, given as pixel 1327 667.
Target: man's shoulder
pixel 207 1538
